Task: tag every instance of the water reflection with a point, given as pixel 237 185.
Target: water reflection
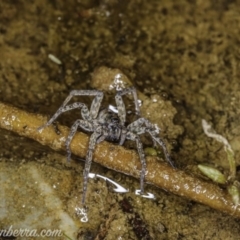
pixel 118 188
pixel 82 212
pixel 147 195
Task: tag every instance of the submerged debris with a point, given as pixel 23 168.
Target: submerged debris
pixel 158 173
pixel 233 186
pixel 138 225
pixel 54 59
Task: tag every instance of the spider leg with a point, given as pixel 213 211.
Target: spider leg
pixel 143 162
pixel 121 106
pixel 103 136
pixel 137 126
pixel 79 123
pixel 153 130
pixel 141 126
pixel 123 136
pixel 62 110
pixel 86 115
pixel 91 147
pixel 162 144
pixel 134 137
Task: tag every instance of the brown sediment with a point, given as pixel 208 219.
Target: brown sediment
pixel 103 77
pixel 119 159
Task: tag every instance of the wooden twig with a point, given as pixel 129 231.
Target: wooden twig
pixel 120 159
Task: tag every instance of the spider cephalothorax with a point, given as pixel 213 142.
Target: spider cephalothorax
pixel 111 125
pixel 108 125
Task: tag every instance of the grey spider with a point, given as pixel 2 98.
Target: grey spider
pixel 108 125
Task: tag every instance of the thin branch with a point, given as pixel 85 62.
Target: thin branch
pixel 120 159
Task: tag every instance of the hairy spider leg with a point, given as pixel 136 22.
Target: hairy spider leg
pixel 121 106
pixel 138 126
pixel 91 147
pixel 85 125
pixel 133 130
pixel 86 115
pixel 63 109
pixel 103 136
pixel 122 110
pixel 162 144
pixel 134 137
pixel 143 163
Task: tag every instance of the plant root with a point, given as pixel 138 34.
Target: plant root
pixel 120 159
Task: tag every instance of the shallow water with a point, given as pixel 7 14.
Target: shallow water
pixel 184 52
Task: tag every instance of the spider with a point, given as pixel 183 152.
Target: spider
pixel 109 125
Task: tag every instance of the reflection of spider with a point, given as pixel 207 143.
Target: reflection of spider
pixel 108 125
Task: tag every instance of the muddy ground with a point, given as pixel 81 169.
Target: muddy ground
pixel 187 52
